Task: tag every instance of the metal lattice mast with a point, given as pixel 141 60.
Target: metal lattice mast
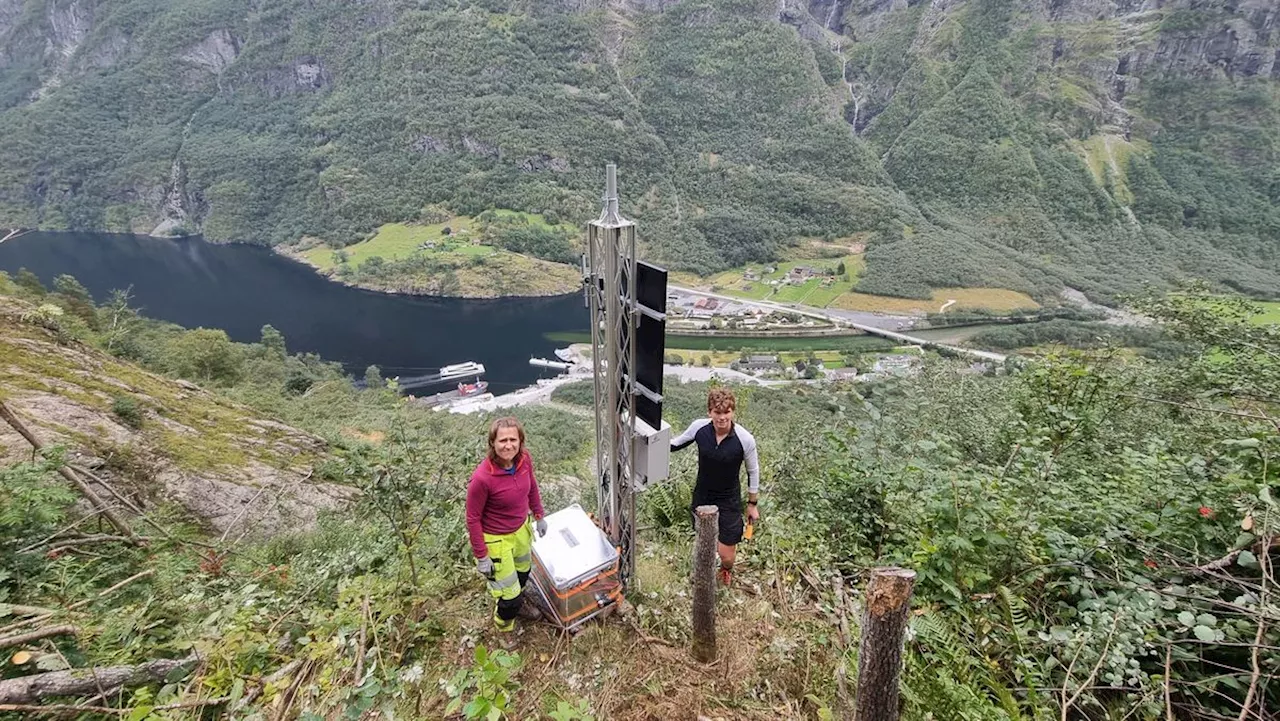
pixel 610 277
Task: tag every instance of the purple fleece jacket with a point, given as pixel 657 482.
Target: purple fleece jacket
pixel 499 501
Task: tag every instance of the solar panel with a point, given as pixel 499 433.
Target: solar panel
pixel 650 341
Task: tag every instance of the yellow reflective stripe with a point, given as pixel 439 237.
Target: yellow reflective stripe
pixel 523 559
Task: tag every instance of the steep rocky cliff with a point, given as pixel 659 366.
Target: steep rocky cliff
pixel 1026 144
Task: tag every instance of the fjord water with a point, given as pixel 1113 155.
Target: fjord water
pixel 240 288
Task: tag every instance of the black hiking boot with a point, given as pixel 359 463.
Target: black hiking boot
pixel 529 611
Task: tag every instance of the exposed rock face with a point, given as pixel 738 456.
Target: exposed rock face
pixel 811 19
pixel 480 147
pixel 105 53
pixel 257 498
pixel 305 74
pixel 218 50
pixel 57 43
pixel 583 6
pixel 541 162
pixel 176 202
pixel 309 74
pixel 1239 44
pixel 429 144
pixel 69 25
pixel 10 11
pixel 225 466
pixel 1148 38
pixel 829 14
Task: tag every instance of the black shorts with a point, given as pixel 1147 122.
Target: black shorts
pixel 730 525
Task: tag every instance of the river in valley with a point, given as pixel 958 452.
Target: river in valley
pixel 240 288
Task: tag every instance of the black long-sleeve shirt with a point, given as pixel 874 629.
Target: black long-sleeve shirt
pixel 720 464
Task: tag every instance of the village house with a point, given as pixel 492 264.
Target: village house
pixel 760 364
pixel 842 374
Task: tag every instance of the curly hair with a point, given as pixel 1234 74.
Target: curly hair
pixel 721 399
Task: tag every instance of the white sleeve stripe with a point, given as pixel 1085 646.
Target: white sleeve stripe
pixel 686 438
pixel 752 458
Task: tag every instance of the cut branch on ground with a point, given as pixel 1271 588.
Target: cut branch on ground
pixel 25 638
pixel 82 681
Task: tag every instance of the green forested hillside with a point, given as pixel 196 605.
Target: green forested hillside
pixel 1009 143
pixel 1093 533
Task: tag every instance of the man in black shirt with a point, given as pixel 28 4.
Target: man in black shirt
pixel 722 447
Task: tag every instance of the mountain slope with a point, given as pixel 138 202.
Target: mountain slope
pixel 1027 145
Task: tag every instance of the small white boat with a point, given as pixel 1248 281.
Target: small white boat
pixel 544 363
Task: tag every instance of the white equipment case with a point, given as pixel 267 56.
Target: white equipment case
pixel 575 569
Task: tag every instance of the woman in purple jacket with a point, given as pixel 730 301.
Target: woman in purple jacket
pixel 501 497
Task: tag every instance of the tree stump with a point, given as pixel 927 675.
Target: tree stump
pixel 706 523
pixel 884 622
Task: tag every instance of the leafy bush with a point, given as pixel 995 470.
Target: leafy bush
pixel 205 354
pixel 1070 333
pixel 127 410
pixel 546 243
pixel 487 687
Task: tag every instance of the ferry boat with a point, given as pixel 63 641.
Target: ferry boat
pixel 544 363
pixel 470 368
pixel 465 390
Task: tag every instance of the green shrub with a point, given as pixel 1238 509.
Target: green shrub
pixel 127 410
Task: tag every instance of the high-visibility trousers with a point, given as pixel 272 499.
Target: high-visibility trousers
pixel 512 558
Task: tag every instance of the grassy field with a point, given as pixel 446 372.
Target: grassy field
pixel 1108 155
pixel 1271 314
pixel 478 271
pixel 840 294
pixel 811 292
pixel 722 359
pixel 996 299
pixel 811 248
pixel 719 358
pixel 844 343
pixel 398 240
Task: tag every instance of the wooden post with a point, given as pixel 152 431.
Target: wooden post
pixel 884 622
pixel 706 523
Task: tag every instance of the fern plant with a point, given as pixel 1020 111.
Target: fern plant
pixel 951 675
pixel 29 499
pixel 667 504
